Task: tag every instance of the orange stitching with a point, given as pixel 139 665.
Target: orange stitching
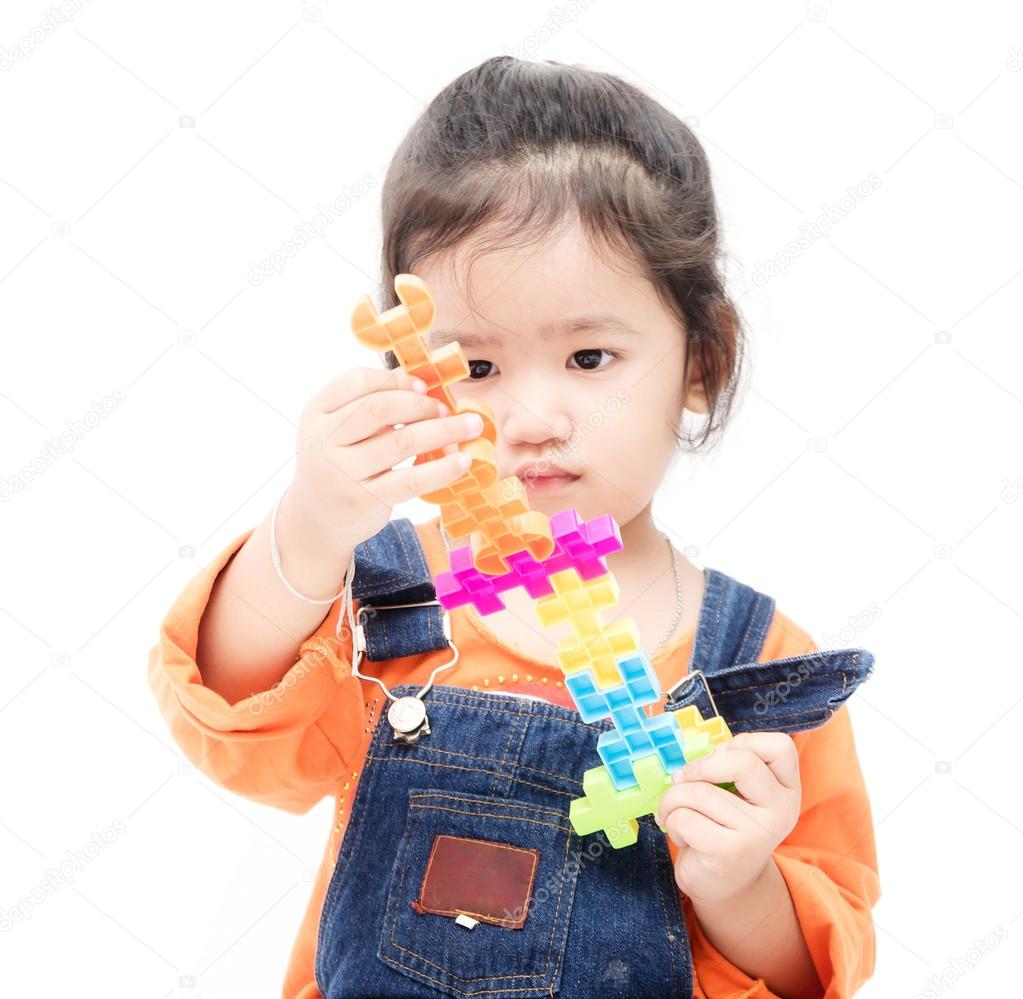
pixel 667 920
pixel 469 799
pixel 480 992
pixel 478 770
pixel 561 890
pixel 492 759
pixel 492 815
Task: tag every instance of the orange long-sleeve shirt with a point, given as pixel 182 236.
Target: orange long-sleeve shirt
pixel 306 738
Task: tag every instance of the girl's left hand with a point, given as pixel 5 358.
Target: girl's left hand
pixel 726 840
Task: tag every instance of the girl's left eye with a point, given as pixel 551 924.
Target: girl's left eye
pixel 589 359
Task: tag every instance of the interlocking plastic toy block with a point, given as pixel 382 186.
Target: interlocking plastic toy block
pixel 494 514
pixel 577 545
pixel 638 678
pixel 689 717
pixel 614 812
pixel 560 563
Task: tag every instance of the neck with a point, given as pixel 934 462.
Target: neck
pixel 643 546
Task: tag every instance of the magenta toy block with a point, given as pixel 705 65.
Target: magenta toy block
pixel 583 544
pixel 577 545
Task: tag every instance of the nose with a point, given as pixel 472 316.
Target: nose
pixel 535 413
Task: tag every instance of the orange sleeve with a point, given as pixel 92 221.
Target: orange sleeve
pixel 286 747
pixel 829 863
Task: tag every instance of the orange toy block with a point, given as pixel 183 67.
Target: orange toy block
pixel 498 519
pixel 493 513
pixel 401 330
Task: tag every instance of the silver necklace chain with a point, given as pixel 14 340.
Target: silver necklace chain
pixel 667 634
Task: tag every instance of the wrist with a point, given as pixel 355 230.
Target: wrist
pixel 747 897
pixel 312 559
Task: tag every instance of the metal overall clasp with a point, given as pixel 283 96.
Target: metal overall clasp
pixel 407 715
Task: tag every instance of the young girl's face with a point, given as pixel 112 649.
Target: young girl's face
pixel 580 362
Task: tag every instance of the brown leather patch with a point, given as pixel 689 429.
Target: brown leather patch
pixel 492 882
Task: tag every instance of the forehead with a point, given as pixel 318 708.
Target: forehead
pixel 567 328
pixel 556 289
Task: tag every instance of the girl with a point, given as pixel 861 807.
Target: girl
pixel 566 227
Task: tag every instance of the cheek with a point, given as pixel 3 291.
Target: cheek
pixel 636 428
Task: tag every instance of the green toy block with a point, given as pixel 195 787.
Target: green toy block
pixel 696 745
pixel 603 807
pixel 614 812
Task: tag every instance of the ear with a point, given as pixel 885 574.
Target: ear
pixel 695 399
pixel 727 322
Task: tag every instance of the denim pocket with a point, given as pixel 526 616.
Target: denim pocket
pixel 497 960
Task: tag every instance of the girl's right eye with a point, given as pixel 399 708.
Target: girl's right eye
pixel 475 371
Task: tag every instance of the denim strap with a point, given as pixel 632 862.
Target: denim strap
pixel 787 695
pixel 390 568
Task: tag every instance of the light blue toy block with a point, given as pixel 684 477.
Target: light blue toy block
pixel 619 698
pixel 659 735
pixel 590 701
pixel 640 679
pixel 615 755
pixel 627 718
pixel 639 686
pixel 639 742
pixel 666 737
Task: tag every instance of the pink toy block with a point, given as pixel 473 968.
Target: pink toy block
pixel 577 545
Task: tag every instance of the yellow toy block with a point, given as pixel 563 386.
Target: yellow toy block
pixel 573 596
pixel 618 640
pixel 689 718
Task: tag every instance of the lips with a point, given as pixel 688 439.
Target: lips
pixel 546 477
pixel 543 470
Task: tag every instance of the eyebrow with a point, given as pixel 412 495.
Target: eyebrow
pixel 588 323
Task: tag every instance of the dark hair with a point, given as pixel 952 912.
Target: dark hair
pixel 514 147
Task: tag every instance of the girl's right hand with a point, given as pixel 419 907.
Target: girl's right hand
pixel 347 446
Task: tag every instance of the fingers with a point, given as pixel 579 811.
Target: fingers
pixel 776 749
pixel 749 773
pixel 355 383
pixel 402 484
pixel 380 453
pixel 718 815
pixel 715 803
pixel 369 415
pixel 687 827
pixel 758 763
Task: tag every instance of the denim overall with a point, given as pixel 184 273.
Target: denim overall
pixel 504 768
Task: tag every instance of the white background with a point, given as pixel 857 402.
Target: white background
pixel 872 480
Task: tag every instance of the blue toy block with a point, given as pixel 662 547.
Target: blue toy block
pixel 616 758
pixel 627 718
pixel 659 735
pixel 639 686
pixel 640 678
pixel 588 699
pixel 667 740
